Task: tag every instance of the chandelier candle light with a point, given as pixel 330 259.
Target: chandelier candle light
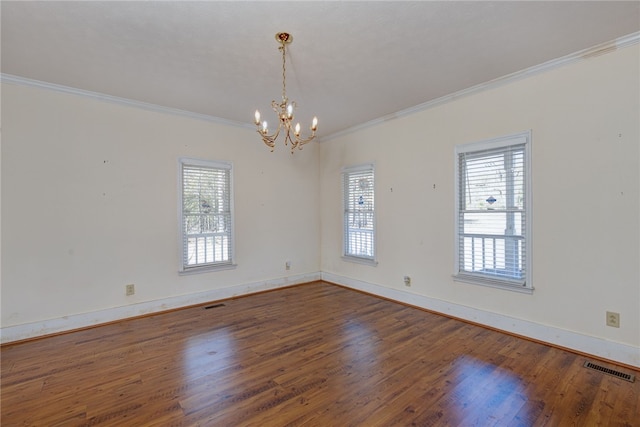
pixel 284 110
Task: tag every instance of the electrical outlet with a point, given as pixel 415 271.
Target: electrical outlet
pixel 130 289
pixel 407 281
pixel 287 265
pixel 613 319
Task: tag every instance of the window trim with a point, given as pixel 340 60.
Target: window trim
pixel 371 261
pixel 204 268
pixel 521 138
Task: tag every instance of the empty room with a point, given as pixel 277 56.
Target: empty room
pixel 335 213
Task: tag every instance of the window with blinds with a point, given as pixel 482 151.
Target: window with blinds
pixel 492 210
pixel 359 213
pixel 206 214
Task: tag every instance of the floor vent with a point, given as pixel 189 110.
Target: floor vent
pixel 213 306
pixel 626 377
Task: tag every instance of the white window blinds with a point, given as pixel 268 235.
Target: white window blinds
pixel 359 209
pixel 492 212
pixel 206 214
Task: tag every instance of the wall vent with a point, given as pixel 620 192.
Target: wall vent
pixel 626 377
pixel 214 306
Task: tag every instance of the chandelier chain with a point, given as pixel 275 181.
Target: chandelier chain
pixel 284 70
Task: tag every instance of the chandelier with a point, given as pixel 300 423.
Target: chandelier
pixel 284 110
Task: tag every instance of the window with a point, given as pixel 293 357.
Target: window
pixel 359 214
pixel 206 215
pixel 493 211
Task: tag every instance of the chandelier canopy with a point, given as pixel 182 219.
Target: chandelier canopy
pixel 284 110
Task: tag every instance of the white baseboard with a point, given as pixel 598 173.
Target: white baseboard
pixel 84 320
pixel 598 347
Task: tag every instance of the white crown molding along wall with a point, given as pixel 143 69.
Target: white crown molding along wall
pixel 591 52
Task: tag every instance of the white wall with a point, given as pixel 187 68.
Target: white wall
pixel 89 204
pixel 584 119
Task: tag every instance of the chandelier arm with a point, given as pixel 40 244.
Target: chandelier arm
pixel 274 135
pixel 288 138
pixel 301 141
pixel 270 140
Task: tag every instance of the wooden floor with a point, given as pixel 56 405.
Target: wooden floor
pixel 311 355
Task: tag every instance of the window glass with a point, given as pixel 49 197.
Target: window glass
pixel 492 211
pixel 359 212
pixel 206 214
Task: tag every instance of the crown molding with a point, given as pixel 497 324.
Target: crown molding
pixel 585 54
pixel 23 81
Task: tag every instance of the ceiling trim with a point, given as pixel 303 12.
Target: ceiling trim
pixel 584 54
pixel 23 81
pixel 601 49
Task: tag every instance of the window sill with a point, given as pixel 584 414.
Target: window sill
pixel 206 269
pixel 358 260
pixel 474 280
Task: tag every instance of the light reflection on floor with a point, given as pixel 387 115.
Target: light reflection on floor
pixel 363 343
pixel 484 392
pixel 208 352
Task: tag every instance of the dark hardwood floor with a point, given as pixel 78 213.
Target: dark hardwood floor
pixel 310 355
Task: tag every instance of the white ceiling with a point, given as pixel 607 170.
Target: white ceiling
pixel 350 62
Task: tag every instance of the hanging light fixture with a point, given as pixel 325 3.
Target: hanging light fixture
pixel 284 110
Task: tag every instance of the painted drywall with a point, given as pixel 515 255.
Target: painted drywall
pixel 89 204
pixel 586 190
